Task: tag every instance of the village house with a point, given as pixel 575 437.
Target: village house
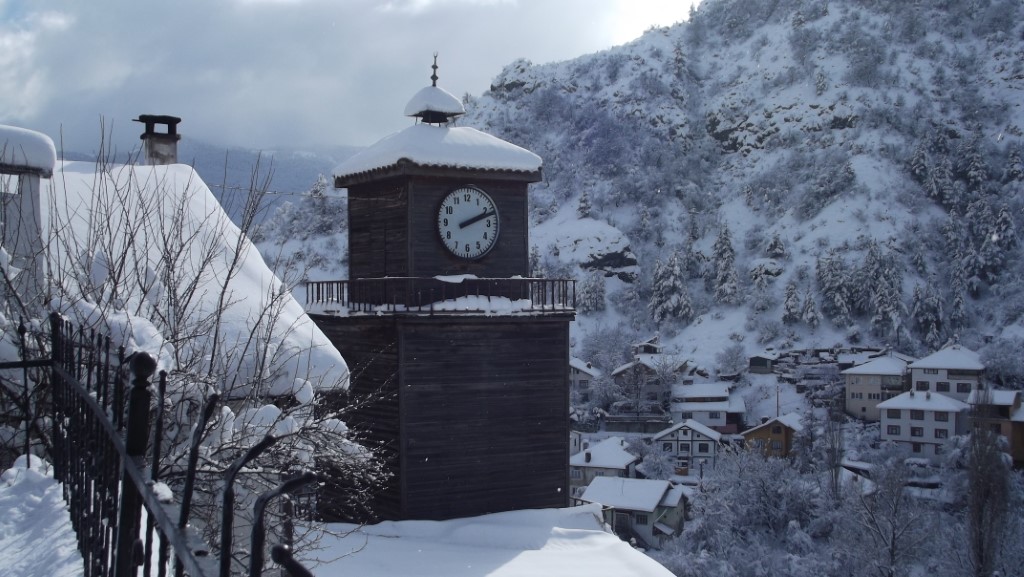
pixel 608 458
pixel 774 437
pixel 1002 412
pixel 651 372
pixel 922 421
pixel 646 511
pixel 692 445
pixel 581 377
pixel 713 404
pixel 872 382
pixel 763 363
pixel 954 371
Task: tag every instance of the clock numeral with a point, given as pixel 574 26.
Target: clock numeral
pixel 446 222
pixel 467 197
pixel 448 234
pixel 485 236
pixel 449 210
pixel 488 223
pixel 478 245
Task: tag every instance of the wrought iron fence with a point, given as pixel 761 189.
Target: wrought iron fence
pixel 101 427
pixel 438 295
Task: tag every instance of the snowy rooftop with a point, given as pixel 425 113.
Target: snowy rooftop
pixel 631 494
pixel 998 397
pixel 434 99
pixel 610 453
pixel 701 390
pixel 924 401
pixel 653 361
pixel 693 426
pixel 427 145
pixel 879 366
pixel 792 420
pixel 733 405
pixel 27 149
pixel 584 367
pixel 955 357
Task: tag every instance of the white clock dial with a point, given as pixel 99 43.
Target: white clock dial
pixel 468 222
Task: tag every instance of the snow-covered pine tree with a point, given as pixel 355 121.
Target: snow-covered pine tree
pixel 670 298
pixel 918 164
pixel 590 297
pixel 809 312
pixel 775 248
pixel 583 208
pixel 723 258
pixel 1014 171
pixel 833 286
pixel 791 313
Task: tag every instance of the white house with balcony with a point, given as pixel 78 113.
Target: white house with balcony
pixel 954 371
pixel 608 458
pixel 692 444
pixel 879 379
pixel 581 378
pixel 922 421
pixel 715 405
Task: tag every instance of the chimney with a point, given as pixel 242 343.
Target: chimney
pixel 160 147
pixel 764 419
pixel 586 457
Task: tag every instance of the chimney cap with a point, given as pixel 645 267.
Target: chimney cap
pixel 151 120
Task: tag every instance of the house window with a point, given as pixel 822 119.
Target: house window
pixel 874 396
pixel 863 409
pixel 667 447
pixel 776 429
pixel 941 416
pixel 916 447
pixel 893 413
pixel 916 415
pixel 931 371
pixel 941 434
pixel 942 386
pixel 892 430
pixel 963 387
pixel 759 443
pixel 683 463
pixel 921 385
pixel 584 383
pixel 702 447
pixel 916 431
pixel 685 415
pixel 684 447
pixel 776 445
pixel 640 518
pixel 576 474
pixel 714 415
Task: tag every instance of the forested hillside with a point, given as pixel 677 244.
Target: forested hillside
pixel 786 173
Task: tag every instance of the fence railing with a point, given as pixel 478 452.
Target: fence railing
pixel 101 430
pixel 438 295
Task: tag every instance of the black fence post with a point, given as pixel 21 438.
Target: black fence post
pixel 136 438
pixel 259 530
pixel 227 520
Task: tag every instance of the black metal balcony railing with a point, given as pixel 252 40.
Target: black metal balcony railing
pixel 436 296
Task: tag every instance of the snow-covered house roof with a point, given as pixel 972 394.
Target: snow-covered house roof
pixel 610 453
pixel 793 421
pixel 766 354
pixel 715 390
pixel 426 145
pixel 924 401
pixel 689 424
pixel 734 405
pixel 568 542
pixel 23 150
pixel 997 397
pixel 889 366
pixel 584 367
pixel 953 357
pixel 434 99
pixel 651 361
pixel 152 198
pixel 629 494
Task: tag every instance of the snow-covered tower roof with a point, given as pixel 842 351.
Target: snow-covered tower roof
pixel 24 151
pixel 434 144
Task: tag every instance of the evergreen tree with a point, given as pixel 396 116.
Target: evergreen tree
pixel 927 315
pixel 669 297
pixel 832 284
pixel 583 208
pixel 590 297
pixel 775 248
pixel 971 166
pixel 918 164
pixel 940 184
pixel 726 282
pixel 791 313
pixel 809 314
pixel 1014 167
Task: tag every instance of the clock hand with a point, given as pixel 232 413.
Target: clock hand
pixel 476 218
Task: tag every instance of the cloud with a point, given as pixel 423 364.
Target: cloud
pixel 264 73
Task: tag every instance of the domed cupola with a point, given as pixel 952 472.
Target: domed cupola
pixel 434 105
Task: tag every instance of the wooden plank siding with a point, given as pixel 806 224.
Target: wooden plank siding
pixel 480 420
pixel 386 239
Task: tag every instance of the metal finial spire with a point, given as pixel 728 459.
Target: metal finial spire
pixel 433 77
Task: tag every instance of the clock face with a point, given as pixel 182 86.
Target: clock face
pixel 468 222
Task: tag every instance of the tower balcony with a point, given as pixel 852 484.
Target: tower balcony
pixel 442 295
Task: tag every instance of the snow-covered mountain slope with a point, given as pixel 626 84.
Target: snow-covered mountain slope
pixel 874 147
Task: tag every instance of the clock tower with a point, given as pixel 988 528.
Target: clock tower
pixel 459 360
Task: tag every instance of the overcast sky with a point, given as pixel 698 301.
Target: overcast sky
pixel 266 73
